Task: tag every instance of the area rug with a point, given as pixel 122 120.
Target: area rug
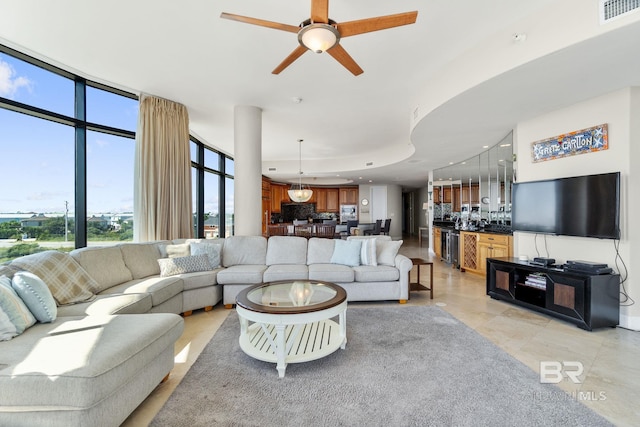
pixel 402 366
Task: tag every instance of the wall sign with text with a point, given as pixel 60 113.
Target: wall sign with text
pixel 569 144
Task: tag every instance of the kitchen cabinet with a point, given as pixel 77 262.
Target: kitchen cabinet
pixel 278 193
pixel 437 244
pixel 442 194
pixel 320 194
pixel 349 195
pixel 446 194
pixel 469 251
pixel 455 202
pixel 477 247
pixel 266 205
pixel 474 197
pixel 333 200
pixel 492 246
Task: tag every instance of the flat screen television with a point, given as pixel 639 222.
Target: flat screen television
pixel 586 206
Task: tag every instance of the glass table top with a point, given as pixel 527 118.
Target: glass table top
pixel 296 296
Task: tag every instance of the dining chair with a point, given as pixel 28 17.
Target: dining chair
pixel 325 230
pixel 376 230
pixel 277 230
pixel 350 225
pixel 304 230
pixel 387 225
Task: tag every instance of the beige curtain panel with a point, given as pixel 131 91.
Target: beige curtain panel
pixel 162 192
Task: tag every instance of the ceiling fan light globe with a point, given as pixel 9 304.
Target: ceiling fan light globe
pixel 318 37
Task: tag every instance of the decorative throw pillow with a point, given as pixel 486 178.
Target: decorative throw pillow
pixel 8 270
pixel 68 281
pixel 7 329
pixel 387 251
pixel 174 251
pixel 185 264
pixel 36 295
pixel 14 307
pixel 211 250
pixel 368 252
pixel 347 252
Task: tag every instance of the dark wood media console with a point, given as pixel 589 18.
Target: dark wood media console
pixel 589 301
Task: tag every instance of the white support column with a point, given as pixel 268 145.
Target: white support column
pixel 248 170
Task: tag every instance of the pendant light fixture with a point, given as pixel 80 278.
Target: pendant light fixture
pixel 299 192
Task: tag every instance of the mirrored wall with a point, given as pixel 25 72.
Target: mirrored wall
pixel 477 190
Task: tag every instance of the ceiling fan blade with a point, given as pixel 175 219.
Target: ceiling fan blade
pixel 261 22
pixel 345 59
pixel 360 26
pixel 320 11
pixel 297 53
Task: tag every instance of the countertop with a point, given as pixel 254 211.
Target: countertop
pixel 480 230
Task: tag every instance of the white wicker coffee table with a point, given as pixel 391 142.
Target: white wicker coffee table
pixel 292 321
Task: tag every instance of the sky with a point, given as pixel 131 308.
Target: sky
pixel 37 155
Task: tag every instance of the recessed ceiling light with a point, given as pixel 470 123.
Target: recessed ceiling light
pixel 485 146
pixel 519 37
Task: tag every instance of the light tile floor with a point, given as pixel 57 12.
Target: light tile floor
pixel 610 384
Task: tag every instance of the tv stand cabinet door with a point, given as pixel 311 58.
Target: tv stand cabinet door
pixel 566 295
pixel 501 280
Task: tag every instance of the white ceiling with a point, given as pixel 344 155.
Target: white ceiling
pixel 184 51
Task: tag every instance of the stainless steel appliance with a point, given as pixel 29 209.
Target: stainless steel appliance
pixel 445 242
pixel 454 246
pixel 348 213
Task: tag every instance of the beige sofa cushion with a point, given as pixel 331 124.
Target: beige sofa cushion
pixel 75 363
pixel 105 264
pixel 320 250
pixel 67 280
pixel 286 250
pixel 161 289
pixel 141 259
pixel 109 304
pixel 243 250
pixel 334 273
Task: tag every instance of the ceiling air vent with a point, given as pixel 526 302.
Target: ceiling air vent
pixel 611 9
pixel 272 169
pixel 369 164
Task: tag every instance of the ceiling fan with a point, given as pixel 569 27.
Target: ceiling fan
pixel 321 34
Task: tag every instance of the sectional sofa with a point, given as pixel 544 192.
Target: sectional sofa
pixel 112 338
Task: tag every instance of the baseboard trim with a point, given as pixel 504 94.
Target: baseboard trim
pixel 630 322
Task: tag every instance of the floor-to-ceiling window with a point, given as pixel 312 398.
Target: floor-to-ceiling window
pixel 213 210
pixel 67 146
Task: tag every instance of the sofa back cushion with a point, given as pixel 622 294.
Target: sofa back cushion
pixel 105 264
pixel 244 250
pixel 286 250
pixel 387 251
pixel 320 251
pixel 212 250
pixel 66 279
pixel 141 259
